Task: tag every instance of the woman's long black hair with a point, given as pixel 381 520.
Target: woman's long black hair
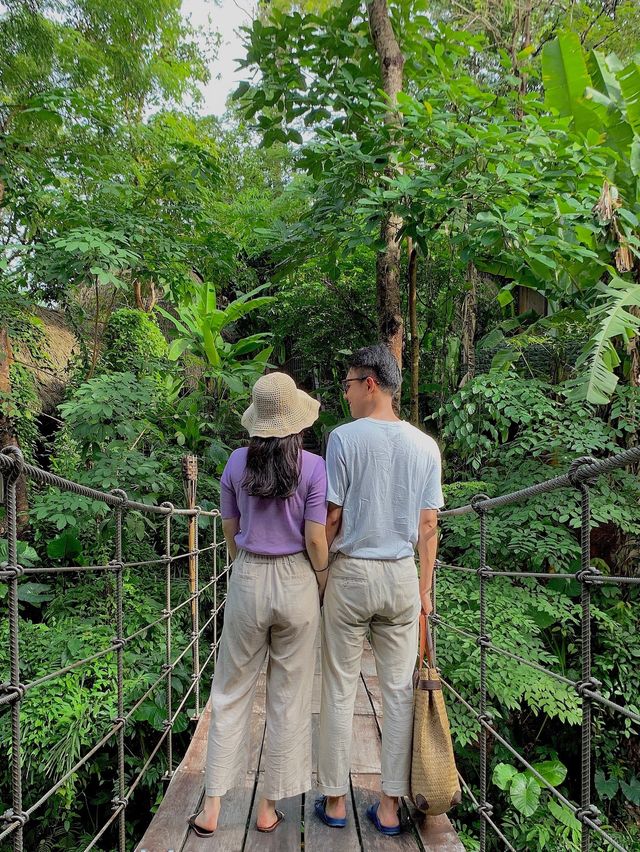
pixel 273 466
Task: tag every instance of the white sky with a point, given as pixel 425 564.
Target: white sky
pixel 226 17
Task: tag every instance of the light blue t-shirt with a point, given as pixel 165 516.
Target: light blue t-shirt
pixel 382 473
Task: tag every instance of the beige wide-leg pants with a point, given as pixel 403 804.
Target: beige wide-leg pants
pixel 272 607
pixel 380 598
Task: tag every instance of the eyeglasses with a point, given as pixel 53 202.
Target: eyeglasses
pixel 346 382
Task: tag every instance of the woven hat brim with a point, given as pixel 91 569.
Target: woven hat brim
pixel 305 415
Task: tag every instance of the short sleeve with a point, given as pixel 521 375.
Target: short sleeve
pixel 432 497
pixel 315 507
pixel 337 479
pixel 228 502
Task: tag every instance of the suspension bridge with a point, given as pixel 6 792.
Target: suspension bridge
pixel 207 568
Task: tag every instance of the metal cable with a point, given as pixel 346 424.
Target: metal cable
pixel 491 647
pixel 568 480
pixel 14 641
pixel 167 632
pixel 485 814
pixel 120 640
pixel 576 811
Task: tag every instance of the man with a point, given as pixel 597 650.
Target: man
pixel 384 492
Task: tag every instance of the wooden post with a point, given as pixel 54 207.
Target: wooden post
pixel 190 482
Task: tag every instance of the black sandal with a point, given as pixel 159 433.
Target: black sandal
pixel 201 832
pixel 269 828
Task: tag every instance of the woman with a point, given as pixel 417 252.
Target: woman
pixel 273 506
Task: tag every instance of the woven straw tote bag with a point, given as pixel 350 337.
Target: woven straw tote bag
pixel 434 779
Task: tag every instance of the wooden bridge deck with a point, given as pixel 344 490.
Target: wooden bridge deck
pixel 301 830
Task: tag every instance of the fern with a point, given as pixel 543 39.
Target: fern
pixel 613 320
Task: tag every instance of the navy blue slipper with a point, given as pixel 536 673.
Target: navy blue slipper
pixel 321 813
pixel 389 830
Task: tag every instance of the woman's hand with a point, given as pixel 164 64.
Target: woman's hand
pixel 321 577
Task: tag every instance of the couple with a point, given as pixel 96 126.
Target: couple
pixel 382 487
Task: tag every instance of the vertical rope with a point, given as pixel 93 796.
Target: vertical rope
pixel 167 635
pixel 483 641
pixel 196 614
pixel 120 801
pixel 483 680
pixel 587 811
pixel 14 646
pixel 585 738
pixel 215 588
pixel 434 621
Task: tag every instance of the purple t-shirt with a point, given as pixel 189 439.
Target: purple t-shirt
pixel 274 526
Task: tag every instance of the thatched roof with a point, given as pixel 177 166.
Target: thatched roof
pixel 59 344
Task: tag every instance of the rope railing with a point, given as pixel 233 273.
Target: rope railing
pixel 582 474
pixel 13 693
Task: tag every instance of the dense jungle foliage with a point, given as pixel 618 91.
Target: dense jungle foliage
pixel 189 253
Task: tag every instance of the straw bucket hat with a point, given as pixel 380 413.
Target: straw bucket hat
pixel 279 408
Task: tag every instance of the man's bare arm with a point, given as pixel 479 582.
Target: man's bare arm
pixel 427 550
pixel 334 519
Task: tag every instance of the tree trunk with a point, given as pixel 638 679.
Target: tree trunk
pixel 469 319
pixel 413 328
pixel 388 262
pixel 7 434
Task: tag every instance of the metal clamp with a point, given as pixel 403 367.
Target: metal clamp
pixel 12 572
pixel 483 641
pixel 590 813
pixel 589 683
pixel 486 809
pixel 15 692
pixel 11 816
pixel 588 575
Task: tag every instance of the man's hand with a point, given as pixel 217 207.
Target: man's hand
pixel 425 602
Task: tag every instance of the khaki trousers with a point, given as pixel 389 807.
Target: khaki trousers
pixel 380 598
pixel 272 607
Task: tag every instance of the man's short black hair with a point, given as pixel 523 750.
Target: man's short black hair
pixel 379 362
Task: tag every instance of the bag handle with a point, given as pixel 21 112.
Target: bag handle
pixel 425 641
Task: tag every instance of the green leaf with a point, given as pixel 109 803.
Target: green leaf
pixel 503 775
pixel 34 593
pixel 607 788
pixel 241 90
pixel 564 815
pixel 566 78
pixel 65 547
pixel 634 160
pixel 614 320
pixel 525 794
pixel 631 791
pixel 629 79
pixel 178 347
pixel 553 771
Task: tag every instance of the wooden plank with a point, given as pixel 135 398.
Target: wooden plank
pixel 365 790
pixel 236 804
pixel 229 835
pixel 286 836
pixel 436 832
pixel 168 827
pixel 318 837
